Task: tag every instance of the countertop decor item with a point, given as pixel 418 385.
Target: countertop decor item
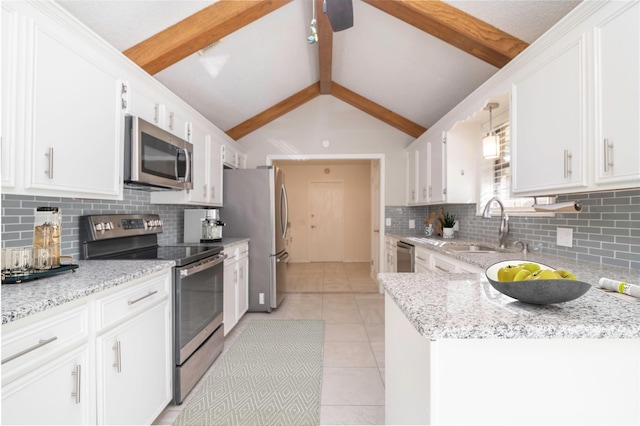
pixel 539 291
pixel 448 222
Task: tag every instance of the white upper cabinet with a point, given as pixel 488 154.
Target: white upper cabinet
pixel 617 98
pixel 575 112
pixel 9 63
pixel 548 122
pixel 413 164
pixel 68 114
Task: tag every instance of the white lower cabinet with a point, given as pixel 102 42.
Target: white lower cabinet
pixel 133 371
pixel 236 284
pixel 105 359
pixel 422 261
pixel 57 393
pixel 390 250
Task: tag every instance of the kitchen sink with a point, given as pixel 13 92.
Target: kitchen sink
pixel 473 248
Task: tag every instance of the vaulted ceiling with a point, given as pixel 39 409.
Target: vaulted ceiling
pixel 244 63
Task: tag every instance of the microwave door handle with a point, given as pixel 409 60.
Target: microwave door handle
pixel 188 167
pixel 188 170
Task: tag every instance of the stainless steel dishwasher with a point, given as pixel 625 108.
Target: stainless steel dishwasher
pixel 404 257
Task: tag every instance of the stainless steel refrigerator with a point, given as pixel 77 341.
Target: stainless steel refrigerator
pixel 255 206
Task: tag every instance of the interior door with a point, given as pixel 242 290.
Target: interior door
pixel 326 222
pixel 375 218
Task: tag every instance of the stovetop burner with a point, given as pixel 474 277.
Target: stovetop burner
pixel 134 236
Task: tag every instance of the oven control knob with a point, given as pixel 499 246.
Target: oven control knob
pixel 108 226
pixel 160 223
pixel 99 227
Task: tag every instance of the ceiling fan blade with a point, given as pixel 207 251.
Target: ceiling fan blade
pixel 340 14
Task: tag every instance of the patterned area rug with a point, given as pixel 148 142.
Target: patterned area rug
pixel 271 375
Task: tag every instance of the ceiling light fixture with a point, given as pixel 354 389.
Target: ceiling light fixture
pixel 490 143
pixel 313 37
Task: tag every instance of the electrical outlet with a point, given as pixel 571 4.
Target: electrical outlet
pixel 412 223
pixel 455 226
pixel 261 299
pixel 387 221
pixel 564 237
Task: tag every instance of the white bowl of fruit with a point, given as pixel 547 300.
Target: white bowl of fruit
pixel 534 282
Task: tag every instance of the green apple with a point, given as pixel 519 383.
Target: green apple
pixel 543 274
pixel 565 275
pixel 522 275
pixel 531 267
pixel 507 273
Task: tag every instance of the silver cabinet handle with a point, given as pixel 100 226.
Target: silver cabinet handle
pixel 420 258
pixel 430 191
pixel 40 344
pixel 204 190
pixel 151 293
pixel 118 363
pixel 156 113
pixel 171 120
pixel 608 147
pixel 77 373
pixel 50 155
pixel 567 163
pixel 424 192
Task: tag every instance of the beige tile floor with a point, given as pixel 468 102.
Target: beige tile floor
pixel 330 277
pixel 353 372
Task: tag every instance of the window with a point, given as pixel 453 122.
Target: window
pixel 496 180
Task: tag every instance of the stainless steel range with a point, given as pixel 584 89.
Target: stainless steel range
pixel 198 332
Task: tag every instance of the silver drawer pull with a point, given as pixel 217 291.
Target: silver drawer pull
pixel 151 293
pixel 420 258
pixel 32 348
pixel 77 373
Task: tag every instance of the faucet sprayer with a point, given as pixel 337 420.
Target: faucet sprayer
pixel 503 230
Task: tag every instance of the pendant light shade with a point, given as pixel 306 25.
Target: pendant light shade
pixel 490 143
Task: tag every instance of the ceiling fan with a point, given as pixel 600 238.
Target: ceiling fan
pixel 339 14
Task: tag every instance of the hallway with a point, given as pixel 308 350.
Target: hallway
pixel 330 277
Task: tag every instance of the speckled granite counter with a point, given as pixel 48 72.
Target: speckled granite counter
pixel 466 306
pixel 92 276
pixel 586 271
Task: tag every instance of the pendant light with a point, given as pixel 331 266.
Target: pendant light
pixel 490 143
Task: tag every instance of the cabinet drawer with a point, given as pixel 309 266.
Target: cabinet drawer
pixel 25 347
pixel 243 250
pixel 136 298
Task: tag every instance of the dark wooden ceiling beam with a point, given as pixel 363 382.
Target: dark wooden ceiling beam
pixel 278 110
pixel 455 27
pixel 198 31
pixel 377 111
pixel 325 48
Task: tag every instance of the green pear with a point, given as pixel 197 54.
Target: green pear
pixel 565 275
pixel 507 273
pixel 522 275
pixel 531 267
pixel 543 274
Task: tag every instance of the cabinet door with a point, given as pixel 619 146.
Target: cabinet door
pixel 135 368
pixel 423 171
pixel 548 122
pixel 200 191
pixel 9 101
pixel 215 172
pixel 437 171
pixel 243 282
pixel 230 293
pixel 617 55
pixel 74 124
pixel 412 176
pixel 58 393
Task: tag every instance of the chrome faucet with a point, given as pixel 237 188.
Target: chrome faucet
pixel 503 230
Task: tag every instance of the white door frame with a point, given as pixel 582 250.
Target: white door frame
pixel 380 157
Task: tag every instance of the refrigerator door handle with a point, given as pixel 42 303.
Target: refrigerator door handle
pixel 284 200
pixel 283 257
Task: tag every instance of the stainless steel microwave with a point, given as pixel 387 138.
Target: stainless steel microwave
pixel 155 158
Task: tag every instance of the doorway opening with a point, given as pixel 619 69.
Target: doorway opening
pixel 335 206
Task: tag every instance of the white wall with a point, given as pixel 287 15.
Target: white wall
pixel 348 130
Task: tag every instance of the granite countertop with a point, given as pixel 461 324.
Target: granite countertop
pixel 585 271
pixel 92 276
pixel 466 306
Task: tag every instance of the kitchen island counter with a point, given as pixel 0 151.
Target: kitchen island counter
pixel 92 276
pixel 459 352
pixel 466 306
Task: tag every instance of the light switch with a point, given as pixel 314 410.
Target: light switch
pixel 412 223
pixel 564 237
pixel 387 221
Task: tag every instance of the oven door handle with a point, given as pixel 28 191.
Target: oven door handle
pixel 201 266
